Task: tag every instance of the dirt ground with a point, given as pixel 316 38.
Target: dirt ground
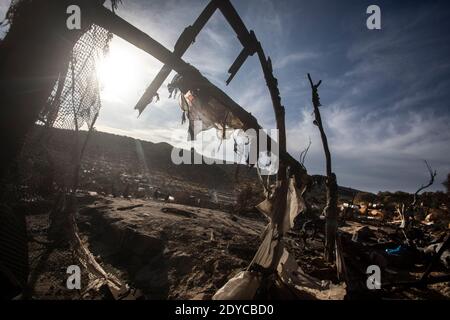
pixel 168 251
pixel 171 251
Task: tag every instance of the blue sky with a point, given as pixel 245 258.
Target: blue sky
pixel 385 92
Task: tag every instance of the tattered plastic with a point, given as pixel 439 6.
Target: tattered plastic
pixel 293 275
pixel 243 286
pixel 294 205
pixel 197 106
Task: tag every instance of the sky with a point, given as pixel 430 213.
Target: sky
pixel 384 92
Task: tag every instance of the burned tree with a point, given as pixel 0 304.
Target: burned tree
pixel 330 211
pixel 304 153
pixel 407 211
pixel 423 187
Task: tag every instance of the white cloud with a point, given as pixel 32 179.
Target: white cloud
pixel 375 154
pixel 292 58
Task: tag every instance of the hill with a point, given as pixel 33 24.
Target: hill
pixel 114 164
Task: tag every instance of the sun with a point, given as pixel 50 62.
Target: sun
pixel 119 71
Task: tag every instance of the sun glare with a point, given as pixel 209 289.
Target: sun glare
pixel 119 72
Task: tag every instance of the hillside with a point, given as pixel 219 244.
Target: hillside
pixel 114 164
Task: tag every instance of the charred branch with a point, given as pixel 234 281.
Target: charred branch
pixel 330 210
pixel 407 212
pixel 423 187
pixel 304 153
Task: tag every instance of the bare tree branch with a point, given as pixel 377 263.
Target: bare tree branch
pixel 407 212
pixel 423 187
pixel 304 153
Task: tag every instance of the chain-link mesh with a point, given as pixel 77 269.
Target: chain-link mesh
pixel 51 156
pixel 75 99
pixel 73 105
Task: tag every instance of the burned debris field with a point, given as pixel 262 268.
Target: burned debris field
pixel 93 212
pixel 153 229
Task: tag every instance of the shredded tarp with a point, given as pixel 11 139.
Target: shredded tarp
pixel 204 111
pixel 293 275
pixel 272 251
pixel 243 286
pixel 294 205
pixel 197 106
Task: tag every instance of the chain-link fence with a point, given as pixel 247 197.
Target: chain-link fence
pixel 73 105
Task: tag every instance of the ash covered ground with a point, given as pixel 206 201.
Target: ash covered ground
pixel 185 237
